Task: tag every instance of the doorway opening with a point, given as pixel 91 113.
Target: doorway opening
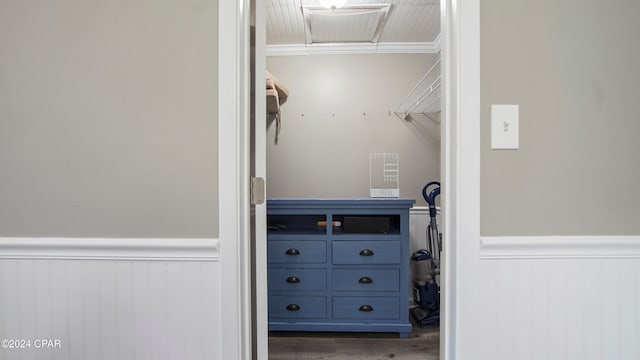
pixel 342 108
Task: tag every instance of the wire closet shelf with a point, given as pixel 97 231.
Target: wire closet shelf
pixel 424 99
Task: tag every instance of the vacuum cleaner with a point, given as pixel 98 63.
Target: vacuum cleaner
pixel 425 266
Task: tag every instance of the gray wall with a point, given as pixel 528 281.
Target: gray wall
pixel 337 113
pixel 108 118
pixel 573 68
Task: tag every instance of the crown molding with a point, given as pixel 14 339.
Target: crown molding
pixel 432 47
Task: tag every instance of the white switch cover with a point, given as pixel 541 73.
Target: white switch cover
pixel 505 127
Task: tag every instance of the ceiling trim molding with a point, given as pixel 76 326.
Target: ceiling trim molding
pixel 354 48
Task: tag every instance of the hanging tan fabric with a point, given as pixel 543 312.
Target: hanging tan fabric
pixel 277 94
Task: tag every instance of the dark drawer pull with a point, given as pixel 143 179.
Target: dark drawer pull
pixel 293 280
pixel 366 252
pixel 293 307
pixel 292 252
pixel 366 308
pixel 365 280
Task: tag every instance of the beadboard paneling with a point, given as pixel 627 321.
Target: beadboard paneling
pixel 418 222
pixel 105 309
pixel 558 306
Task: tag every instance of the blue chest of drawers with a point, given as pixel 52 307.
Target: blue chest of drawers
pixel 338 264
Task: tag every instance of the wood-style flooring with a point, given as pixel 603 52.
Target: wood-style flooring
pixel 422 344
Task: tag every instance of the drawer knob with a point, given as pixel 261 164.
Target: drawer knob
pixel 366 252
pixel 292 252
pixel 365 280
pixel 366 308
pixel 293 307
pixel 293 280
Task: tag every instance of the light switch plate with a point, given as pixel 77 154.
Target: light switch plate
pixel 505 127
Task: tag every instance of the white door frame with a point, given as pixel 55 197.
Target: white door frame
pixel 233 193
pixel 460 135
pixel 260 168
pixel 461 173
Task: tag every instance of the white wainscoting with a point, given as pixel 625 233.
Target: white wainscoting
pixel 418 222
pixel 154 303
pixel 560 298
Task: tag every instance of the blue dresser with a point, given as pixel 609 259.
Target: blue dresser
pixel 338 264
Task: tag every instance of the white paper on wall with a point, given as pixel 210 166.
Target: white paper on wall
pixel 384 175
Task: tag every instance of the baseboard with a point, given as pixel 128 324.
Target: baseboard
pixel 559 247
pixel 109 248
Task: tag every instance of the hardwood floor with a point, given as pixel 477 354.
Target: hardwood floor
pixel 422 344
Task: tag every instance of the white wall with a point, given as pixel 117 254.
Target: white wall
pixel 570 303
pixel 418 222
pixel 105 309
pixel 338 112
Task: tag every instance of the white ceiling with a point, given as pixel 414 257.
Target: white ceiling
pixel 410 23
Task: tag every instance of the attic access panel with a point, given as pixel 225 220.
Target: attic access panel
pixel 353 23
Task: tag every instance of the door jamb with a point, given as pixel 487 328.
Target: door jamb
pixel 233 173
pixel 461 169
pixel 461 173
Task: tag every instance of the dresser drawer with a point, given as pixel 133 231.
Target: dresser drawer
pixel 366 308
pixel 297 279
pixel 366 279
pixel 366 252
pixel 296 252
pixel 297 307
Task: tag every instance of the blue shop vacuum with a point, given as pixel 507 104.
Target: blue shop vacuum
pixel 425 266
